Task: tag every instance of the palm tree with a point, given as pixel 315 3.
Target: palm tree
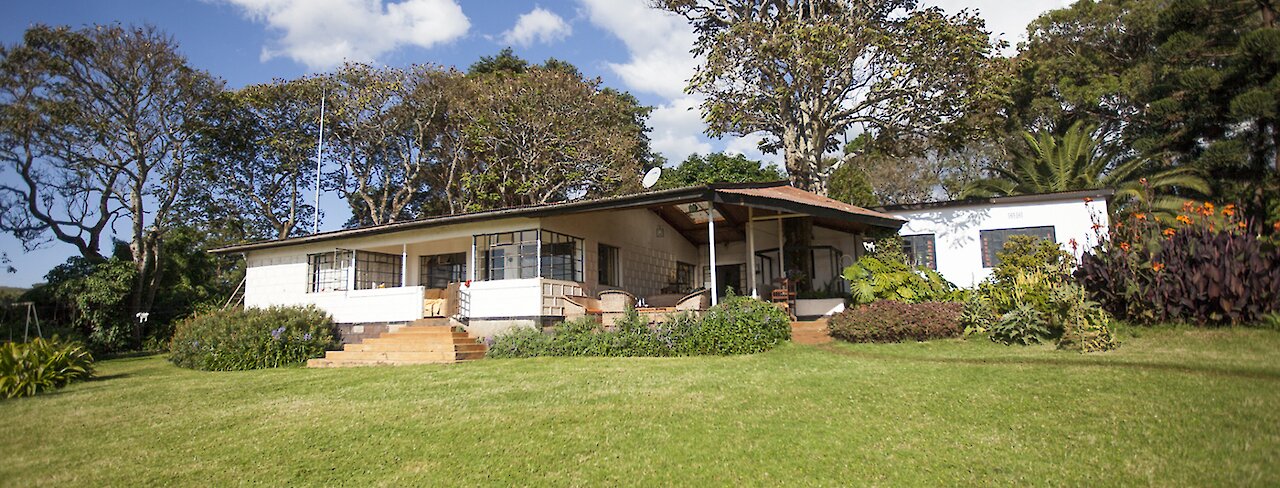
pixel 1078 161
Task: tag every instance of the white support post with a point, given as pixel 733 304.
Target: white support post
pixel 751 253
pixel 404 265
pixel 538 249
pixel 471 270
pixel 711 246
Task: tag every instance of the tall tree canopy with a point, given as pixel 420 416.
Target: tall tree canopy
pixel 804 72
pixel 716 168
pixel 97 125
pixel 258 150
pixel 1179 82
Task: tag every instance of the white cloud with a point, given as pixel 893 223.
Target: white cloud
pixel 540 25
pixel 677 127
pixel 749 146
pixel 1006 20
pixel 324 33
pixel 657 41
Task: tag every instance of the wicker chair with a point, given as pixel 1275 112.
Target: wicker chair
pixel 698 300
pixel 616 301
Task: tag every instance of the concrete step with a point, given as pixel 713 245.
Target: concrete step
pixel 439 356
pixel 476 347
pixel 433 322
pixel 399 347
pixel 467 356
pixel 330 363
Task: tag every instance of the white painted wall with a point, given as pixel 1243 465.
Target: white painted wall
pixel 956 230
pixel 504 298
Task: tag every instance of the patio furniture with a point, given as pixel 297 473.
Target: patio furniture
pixel 616 301
pixel 577 306
pixel 433 302
pixel 664 300
pixel 784 297
pixel 698 300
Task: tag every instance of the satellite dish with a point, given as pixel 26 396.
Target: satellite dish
pixel 651 177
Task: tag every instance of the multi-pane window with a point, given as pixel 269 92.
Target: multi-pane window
pixel 562 257
pixel 514 255
pixel 920 250
pixel 378 270
pixel 439 270
pixel 608 265
pixel 328 271
pixel 993 241
pixel 684 276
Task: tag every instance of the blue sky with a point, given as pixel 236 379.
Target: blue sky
pixel 628 45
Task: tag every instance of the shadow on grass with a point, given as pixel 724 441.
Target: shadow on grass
pixel 1082 362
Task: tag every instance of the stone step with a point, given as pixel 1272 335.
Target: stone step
pixel 476 347
pixel 330 363
pixel 467 356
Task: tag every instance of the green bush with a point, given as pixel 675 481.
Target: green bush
pixel 41 365
pixel 890 321
pixel 1031 298
pixel 885 275
pixel 252 338
pixel 738 325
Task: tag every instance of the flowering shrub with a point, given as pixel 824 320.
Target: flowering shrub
pixel 252 338
pixel 738 325
pixel 1205 265
pixel 891 321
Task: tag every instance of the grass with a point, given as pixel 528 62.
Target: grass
pixel 1170 407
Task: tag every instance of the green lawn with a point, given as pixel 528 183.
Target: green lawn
pixel 1172 407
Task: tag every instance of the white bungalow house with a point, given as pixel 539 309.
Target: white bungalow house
pixel 960 238
pixel 497 269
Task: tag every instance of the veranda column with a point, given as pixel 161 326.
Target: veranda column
pixel 404 265
pixel 751 252
pixel 711 246
pixel 782 267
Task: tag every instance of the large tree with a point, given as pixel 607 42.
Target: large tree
pixel 542 135
pixel 1179 83
pixel 258 150
pixel 387 125
pixel 804 72
pixel 99 121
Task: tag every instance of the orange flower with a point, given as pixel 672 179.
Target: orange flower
pixel 1184 219
pixel 1124 246
pixel 1097 226
pixel 1276 226
pixel 1229 210
pixel 1241 225
pixel 1157 266
pixel 1169 232
pixel 1087 199
pixel 1140 216
pixel 1187 205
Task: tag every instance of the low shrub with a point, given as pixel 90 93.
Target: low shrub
pixel 252 338
pixel 884 274
pixel 890 321
pixel 738 325
pixel 42 365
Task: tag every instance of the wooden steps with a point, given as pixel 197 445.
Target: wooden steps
pixel 426 341
pixel 812 332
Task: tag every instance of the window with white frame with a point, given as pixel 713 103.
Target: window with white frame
pixel 378 270
pixel 514 255
pixel 329 271
pixel 439 270
pixel 993 241
pixel 920 250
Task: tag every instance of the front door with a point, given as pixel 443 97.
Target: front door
pixel 728 276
